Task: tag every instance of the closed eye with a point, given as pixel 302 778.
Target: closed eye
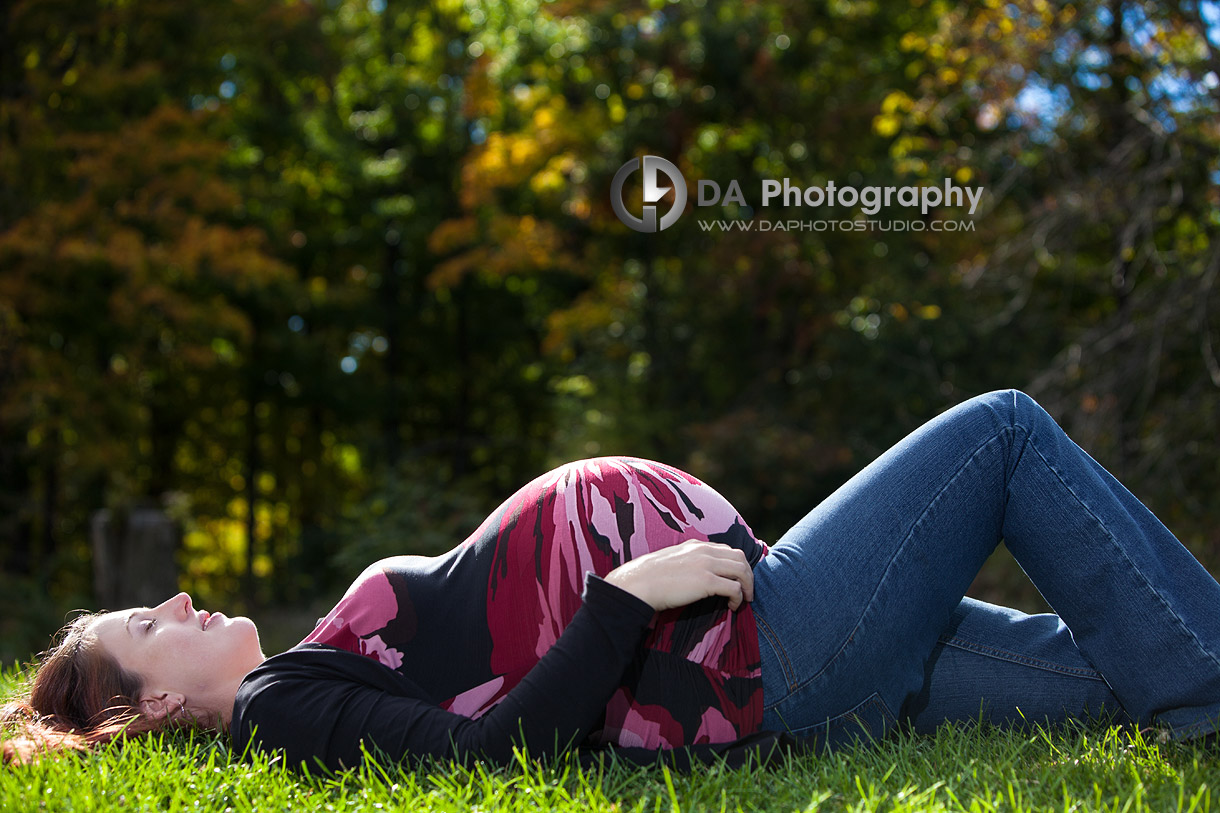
pixel 148 625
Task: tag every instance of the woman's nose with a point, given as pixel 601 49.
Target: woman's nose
pixel 179 605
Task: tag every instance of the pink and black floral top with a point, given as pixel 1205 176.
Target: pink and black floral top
pixel 472 623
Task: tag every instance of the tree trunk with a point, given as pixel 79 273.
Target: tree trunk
pixel 253 463
pixel 134 557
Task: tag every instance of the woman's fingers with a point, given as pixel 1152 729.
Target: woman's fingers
pixel 730 563
pixel 682 574
pixel 736 594
pixel 725 571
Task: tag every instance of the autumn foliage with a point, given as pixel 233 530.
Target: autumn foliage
pixel 303 272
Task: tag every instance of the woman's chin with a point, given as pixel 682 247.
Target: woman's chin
pixel 246 626
pixel 241 629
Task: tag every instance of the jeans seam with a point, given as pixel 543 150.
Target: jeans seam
pixel 781 654
pixel 874 700
pixel 898 552
pixel 1016 657
pixel 1119 549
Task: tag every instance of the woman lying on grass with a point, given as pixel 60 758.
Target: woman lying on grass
pixel 619 602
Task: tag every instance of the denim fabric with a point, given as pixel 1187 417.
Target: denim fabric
pixel 862 621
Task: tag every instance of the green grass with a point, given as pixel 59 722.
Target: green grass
pixel 961 768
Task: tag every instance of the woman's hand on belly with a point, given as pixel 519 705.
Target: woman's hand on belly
pixel 684 573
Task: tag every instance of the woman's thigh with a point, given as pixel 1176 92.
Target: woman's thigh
pixel 851 601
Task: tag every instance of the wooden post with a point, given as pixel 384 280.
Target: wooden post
pixel 134 557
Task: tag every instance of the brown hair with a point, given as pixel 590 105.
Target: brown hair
pixel 78 697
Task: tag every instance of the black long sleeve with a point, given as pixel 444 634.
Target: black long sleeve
pixel 318 704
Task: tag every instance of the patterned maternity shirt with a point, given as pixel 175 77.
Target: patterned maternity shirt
pixel 466 628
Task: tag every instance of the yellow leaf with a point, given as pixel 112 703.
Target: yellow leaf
pixel 886 125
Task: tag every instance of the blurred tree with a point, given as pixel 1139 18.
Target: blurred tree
pixel 779 363
pixel 1098 122
pixel 758 360
pixel 357 164
pixel 124 262
pixel 314 268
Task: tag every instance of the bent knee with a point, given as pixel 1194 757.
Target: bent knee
pixel 1012 406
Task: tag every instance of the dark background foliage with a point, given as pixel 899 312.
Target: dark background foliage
pixel 328 280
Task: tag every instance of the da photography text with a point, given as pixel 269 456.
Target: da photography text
pixel 660 176
pixel 870 199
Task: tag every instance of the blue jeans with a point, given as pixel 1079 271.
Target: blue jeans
pixel 862 621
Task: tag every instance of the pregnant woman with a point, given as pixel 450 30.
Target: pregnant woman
pixel 621 603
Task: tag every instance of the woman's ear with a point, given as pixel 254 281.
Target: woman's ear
pixel 161 705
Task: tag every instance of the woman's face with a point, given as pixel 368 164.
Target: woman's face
pixel 181 652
